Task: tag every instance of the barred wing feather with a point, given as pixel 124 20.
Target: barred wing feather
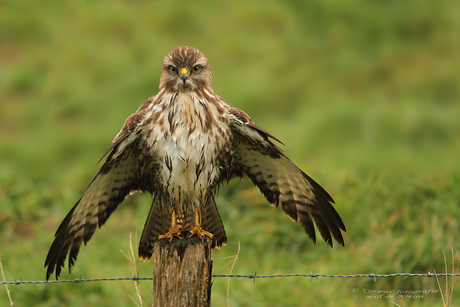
pixel 281 181
pixel 111 185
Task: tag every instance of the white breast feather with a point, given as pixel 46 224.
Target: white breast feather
pixel 185 149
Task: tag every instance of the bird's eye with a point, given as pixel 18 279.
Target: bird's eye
pixel 172 69
pixel 197 68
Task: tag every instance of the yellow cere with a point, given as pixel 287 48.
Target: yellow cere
pixel 183 71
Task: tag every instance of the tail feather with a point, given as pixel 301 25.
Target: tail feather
pixel 159 221
pixel 211 221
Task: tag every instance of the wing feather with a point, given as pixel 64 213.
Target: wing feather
pixel 281 181
pixel 118 177
pixel 111 185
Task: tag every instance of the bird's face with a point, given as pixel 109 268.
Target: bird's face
pixel 184 78
pixel 185 69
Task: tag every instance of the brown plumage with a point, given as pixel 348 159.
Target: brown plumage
pixel 179 146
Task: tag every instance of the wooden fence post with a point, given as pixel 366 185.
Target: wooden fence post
pixel 182 273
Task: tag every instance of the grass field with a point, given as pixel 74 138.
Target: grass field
pixel 365 95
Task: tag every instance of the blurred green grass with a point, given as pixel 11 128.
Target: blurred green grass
pixel 365 95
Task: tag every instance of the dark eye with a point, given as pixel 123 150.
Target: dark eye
pixel 196 68
pixel 172 69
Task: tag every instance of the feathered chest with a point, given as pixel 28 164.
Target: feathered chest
pixel 190 137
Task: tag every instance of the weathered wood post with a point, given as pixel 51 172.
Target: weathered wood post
pixel 182 273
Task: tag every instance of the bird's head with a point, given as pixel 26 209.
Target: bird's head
pixel 185 69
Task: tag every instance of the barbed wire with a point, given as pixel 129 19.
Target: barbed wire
pixel 251 276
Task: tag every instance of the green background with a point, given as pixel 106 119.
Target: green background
pixel 365 95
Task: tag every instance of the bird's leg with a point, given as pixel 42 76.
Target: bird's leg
pixel 196 229
pixel 174 231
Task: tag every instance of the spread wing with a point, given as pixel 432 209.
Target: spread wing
pixel 117 178
pixel 281 181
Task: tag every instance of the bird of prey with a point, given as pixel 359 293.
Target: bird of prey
pixel 180 145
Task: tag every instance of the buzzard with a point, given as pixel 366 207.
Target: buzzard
pixel 180 146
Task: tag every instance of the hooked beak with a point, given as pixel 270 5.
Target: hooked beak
pixel 184 74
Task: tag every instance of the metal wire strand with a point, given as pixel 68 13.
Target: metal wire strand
pixel 374 276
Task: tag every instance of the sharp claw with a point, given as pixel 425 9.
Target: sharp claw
pixel 174 231
pixel 200 233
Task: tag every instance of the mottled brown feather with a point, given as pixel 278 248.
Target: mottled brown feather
pixel 281 181
pixel 115 180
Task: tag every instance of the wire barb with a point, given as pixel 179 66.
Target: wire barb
pixel 252 276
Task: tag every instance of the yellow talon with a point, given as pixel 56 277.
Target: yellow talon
pixel 196 229
pixel 200 232
pixel 174 231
